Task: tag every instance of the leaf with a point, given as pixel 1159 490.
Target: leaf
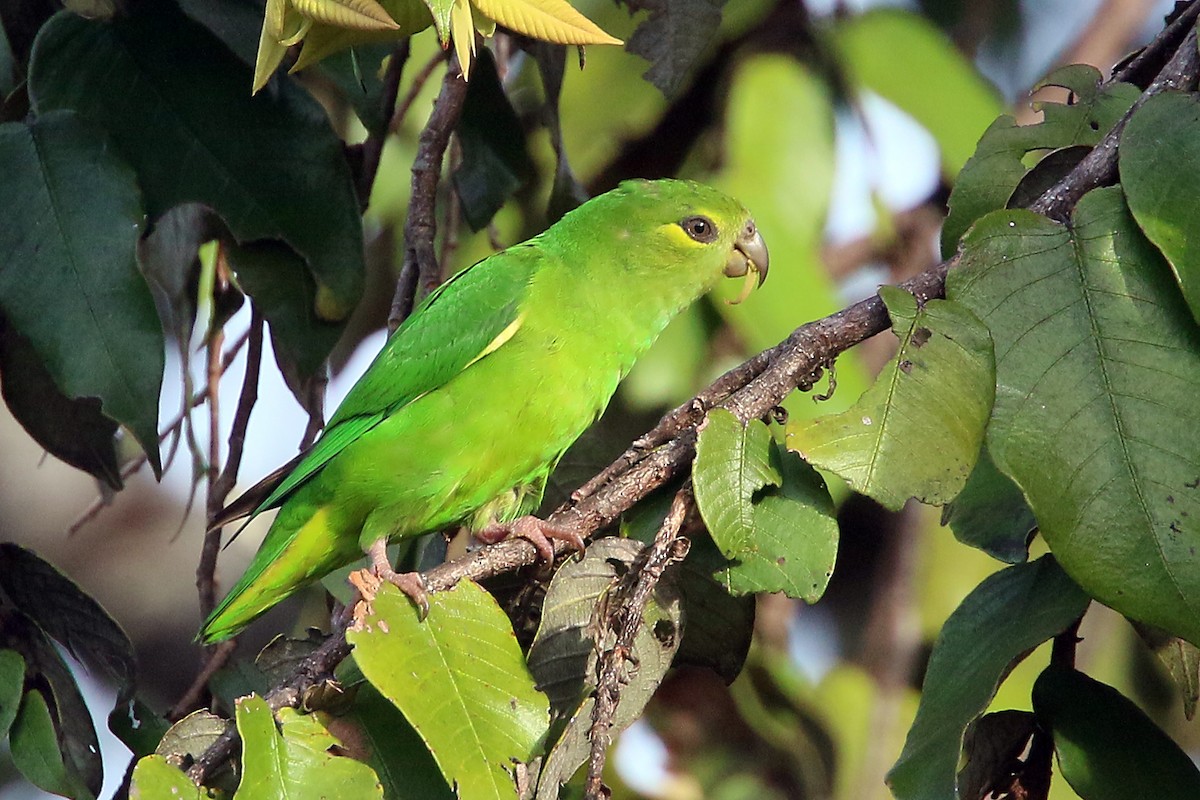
pixel 73 430
pixel 495 161
pixel 284 291
pixel 361 15
pixel 1097 368
pixel 1007 615
pixel 931 70
pixel 356 71
pixel 69 281
pixel 550 20
pixel 155 779
pixel 719 626
pixel 34 748
pixel 673 38
pixel 192 735
pixel 460 679
pixel 992 745
pixel 1180 657
pixel 563 656
pixel 767 510
pixel 138 728
pixel 270 166
pixel 394 750
pixel 991 513
pixel 297 760
pixel 68 615
pixel 234 22
pixel 12 685
pixel 1160 191
pixel 917 431
pixel 413 16
pixel 994 171
pixel 1107 748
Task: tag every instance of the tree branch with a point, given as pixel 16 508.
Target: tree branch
pixel 628 607
pixel 419 270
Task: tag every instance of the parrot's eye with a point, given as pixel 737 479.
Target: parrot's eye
pixel 701 229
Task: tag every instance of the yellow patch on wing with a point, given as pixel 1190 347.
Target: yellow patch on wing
pixel 501 338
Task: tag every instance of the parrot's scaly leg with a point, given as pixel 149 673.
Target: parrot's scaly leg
pixel 411 583
pixel 537 532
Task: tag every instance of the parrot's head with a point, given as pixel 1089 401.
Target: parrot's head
pixel 700 232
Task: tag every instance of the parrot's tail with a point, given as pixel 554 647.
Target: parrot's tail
pixel 293 555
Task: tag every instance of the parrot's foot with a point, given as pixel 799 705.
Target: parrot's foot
pixel 411 583
pixel 537 532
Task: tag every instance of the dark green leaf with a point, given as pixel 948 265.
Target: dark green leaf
pixel 673 38
pixel 1004 618
pixel 67 615
pixel 284 291
pixel 12 686
pixel 192 735
pixel 991 513
pixel 1097 374
pixel 987 181
pixel 917 431
pixel 138 728
pixel 74 430
pixel 1107 748
pixel 168 257
pixel 1180 657
pixel 719 626
pixel 269 165
pixel 237 23
pixel 767 510
pixel 34 746
pixel 356 72
pixel 395 751
pixel 1161 191
pixel 69 281
pixel 495 162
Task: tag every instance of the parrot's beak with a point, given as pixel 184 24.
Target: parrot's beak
pixel 748 258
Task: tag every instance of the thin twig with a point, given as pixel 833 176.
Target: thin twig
pixel 628 605
pixel 419 270
pixel 410 97
pixel 372 148
pixel 749 391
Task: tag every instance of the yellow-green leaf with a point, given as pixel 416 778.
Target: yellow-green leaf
pixel 460 679
pixel 549 20
pixel 410 16
pixel 155 779
pixel 359 15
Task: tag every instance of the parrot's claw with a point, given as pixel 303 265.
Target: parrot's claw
pixel 411 583
pixel 537 532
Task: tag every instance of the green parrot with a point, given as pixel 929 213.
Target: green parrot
pixel 467 409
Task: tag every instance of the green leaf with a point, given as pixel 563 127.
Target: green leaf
pixel 460 679
pixel 917 431
pixel 1107 748
pixel 495 161
pixel 74 430
pixel 68 615
pixel 12 685
pixel 1004 618
pixel 296 760
pixel 908 61
pixel 192 735
pixel 284 291
pixel 991 513
pixel 356 72
pixel 719 626
pixel 673 38
pixel 270 166
pixel 138 728
pixel 394 750
pixel 155 779
pixel 1161 191
pixel 767 510
pixel 1180 657
pixel 563 656
pixel 993 743
pixel 34 747
pixel 69 281
pixel 1097 371
pixel 997 167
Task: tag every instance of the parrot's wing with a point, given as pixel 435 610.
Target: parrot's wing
pixel 463 320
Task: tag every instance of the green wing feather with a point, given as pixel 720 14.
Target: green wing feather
pixel 448 331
